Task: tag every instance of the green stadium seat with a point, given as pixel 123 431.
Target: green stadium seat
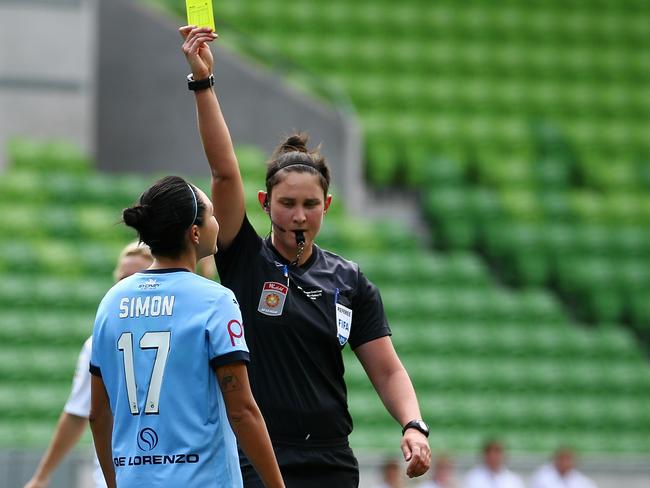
pixel 17 257
pixel 38 364
pixel 639 309
pixel 30 327
pixel 380 164
pixel 33 400
pixel 20 186
pixel 555 206
pixel 442 173
pixel 603 303
pixel 47 157
pixel 12 218
pixel 69 189
pixel 371 438
pixel 449 210
pixel 57 258
pixel 465 269
pixel 27 292
pixel 527 267
pixel 402 304
pixel 366 407
pixel 403 269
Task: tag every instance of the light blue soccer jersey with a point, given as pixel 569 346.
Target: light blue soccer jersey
pixel 158 336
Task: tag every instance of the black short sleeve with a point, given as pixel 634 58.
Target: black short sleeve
pixel 229 358
pixel 242 250
pixel 95 370
pixel 369 320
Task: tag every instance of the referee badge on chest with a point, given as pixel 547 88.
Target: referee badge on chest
pixel 272 298
pixel 343 323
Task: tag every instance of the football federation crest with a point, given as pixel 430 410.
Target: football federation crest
pixel 272 298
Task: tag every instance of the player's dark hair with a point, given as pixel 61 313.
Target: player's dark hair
pixel 293 155
pixel 163 214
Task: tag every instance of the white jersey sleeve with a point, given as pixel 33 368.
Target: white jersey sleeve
pixel 79 400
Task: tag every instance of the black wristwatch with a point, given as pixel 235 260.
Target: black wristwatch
pixel 417 424
pixel 203 84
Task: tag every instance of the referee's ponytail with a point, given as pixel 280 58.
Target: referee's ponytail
pixel 163 214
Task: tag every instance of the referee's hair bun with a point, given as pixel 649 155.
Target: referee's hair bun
pixel 295 142
pixel 291 153
pixel 136 216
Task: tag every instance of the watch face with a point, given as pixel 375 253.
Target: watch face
pixel 418 425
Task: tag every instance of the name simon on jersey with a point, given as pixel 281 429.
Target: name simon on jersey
pixel 149 306
pixel 156 459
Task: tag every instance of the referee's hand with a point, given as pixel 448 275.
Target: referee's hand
pixel 417 453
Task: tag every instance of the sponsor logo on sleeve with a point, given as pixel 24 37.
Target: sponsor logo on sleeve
pixel 236 333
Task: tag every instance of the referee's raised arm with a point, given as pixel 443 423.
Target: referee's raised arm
pixel 226 182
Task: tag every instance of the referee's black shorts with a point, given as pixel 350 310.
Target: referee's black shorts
pixel 313 467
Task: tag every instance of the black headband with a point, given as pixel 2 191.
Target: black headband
pixel 293 163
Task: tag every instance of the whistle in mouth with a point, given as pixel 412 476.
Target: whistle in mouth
pixel 300 237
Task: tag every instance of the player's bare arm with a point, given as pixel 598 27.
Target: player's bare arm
pixel 247 422
pixel 68 431
pixel 230 381
pixel 101 424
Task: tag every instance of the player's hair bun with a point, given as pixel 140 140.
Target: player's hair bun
pixel 162 215
pixel 136 216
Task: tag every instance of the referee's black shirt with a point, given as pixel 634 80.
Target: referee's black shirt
pixel 296 369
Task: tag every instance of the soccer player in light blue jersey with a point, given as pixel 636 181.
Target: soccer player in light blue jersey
pixel 169 382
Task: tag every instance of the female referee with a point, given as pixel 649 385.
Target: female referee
pixel 301 305
pixel 157 416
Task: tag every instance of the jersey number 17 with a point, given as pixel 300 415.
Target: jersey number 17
pixel 150 340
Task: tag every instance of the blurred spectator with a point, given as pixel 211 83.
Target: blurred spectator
pixel 443 473
pixel 492 473
pixel 561 474
pixel 391 475
pixel 74 418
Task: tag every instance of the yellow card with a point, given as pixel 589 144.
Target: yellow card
pixel 199 13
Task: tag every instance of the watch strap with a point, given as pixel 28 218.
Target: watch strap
pixel 418 425
pixel 204 84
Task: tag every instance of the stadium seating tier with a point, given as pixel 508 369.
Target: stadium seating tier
pixel 484 358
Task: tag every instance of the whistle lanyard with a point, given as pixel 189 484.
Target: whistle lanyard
pixel 301 249
pixel 285 273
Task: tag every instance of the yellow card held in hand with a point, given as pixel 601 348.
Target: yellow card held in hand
pixel 199 13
